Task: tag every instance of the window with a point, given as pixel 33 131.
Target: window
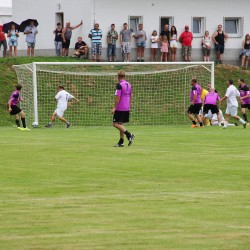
pixel 166 20
pixel 198 26
pixel 134 22
pixel 233 26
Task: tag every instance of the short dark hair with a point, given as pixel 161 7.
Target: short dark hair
pixel 58 24
pixel 230 82
pixel 125 24
pixel 18 87
pixel 242 80
pixel 112 24
pixel 194 80
pixel 60 87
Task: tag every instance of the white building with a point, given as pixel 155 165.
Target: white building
pixel 5 15
pixel 200 15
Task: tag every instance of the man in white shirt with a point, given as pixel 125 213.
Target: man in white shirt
pixel 232 104
pixel 62 98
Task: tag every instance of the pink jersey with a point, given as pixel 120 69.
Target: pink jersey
pixel 124 91
pixel 196 90
pixel 15 98
pixel 211 98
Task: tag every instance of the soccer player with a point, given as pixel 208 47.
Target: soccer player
pixel 245 98
pixel 210 103
pixel 121 110
pixel 195 107
pixel 14 109
pixel 62 98
pixel 232 104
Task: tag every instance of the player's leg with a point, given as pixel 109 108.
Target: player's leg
pixel 22 114
pixel 191 117
pixel 52 119
pixel 243 112
pixel 17 120
pixel 138 52
pixel 61 118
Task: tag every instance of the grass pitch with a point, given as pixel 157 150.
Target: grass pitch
pixel 174 188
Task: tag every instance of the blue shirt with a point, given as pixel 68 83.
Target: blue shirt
pixel 96 35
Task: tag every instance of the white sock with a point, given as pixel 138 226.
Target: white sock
pixel 241 121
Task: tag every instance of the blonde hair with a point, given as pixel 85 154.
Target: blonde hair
pixel 121 73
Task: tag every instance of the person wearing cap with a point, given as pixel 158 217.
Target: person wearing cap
pixel 62 98
pixel 3 41
pixel 186 39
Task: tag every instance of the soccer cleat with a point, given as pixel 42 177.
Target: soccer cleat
pixel 130 140
pixel 22 129
pixel 68 125
pixel 194 126
pixel 48 126
pixel 27 129
pixel 119 145
pixel 236 124
pixel 245 125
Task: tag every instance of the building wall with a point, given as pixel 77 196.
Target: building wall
pixel 5 15
pixel 106 12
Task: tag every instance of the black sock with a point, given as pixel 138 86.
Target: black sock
pixel 201 124
pixel 121 141
pixel 23 122
pixel 127 134
pixel 194 122
pixel 17 122
pixel 245 117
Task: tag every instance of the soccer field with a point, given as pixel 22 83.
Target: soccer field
pixel 174 188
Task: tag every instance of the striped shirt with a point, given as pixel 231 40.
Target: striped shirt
pixel 96 35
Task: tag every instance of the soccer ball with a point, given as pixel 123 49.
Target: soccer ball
pixel 35 125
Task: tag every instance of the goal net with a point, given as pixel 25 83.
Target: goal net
pixel 160 90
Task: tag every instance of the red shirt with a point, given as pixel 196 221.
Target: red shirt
pixel 2 36
pixel 186 38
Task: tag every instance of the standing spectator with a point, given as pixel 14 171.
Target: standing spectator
pixel 173 43
pixel 164 49
pixel 195 103
pixel 81 48
pixel 30 32
pixel 66 36
pixel 3 41
pixel 232 104
pixel 121 109
pixel 206 46
pixel 140 37
pixel 125 40
pixel 13 35
pixel 165 33
pixel 96 39
pixel 219 38
pixel 154 45
pixel 186 39
pixel 58 39
pixel 111 40
pixel 245 51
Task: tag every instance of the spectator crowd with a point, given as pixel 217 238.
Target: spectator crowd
pixel 165 44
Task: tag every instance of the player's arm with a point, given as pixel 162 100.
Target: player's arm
pixel 223 98
pixel 117 100
pixel 194 95
pixel 9 104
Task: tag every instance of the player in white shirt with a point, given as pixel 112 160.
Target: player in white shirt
pixel 62 98
pixel 232 104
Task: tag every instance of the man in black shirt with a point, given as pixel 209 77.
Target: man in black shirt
pixel 81 48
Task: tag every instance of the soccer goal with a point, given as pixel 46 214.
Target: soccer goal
pixel 160 90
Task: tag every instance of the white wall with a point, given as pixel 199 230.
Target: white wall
pixel 5 15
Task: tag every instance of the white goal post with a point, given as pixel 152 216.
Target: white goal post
pixel 160 90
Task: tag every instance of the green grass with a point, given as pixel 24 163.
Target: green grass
pixel 174 188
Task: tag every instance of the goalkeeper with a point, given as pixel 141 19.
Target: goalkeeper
pixel 121 108
pixel 62 98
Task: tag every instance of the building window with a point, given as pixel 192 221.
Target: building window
pixel 233 26
pixel 198 26
pixel 134 22
pixel 166 20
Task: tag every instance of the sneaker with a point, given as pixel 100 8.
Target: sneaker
pixel 48 126
pixel 27 129
pixel 142 60
pixel 68 125
pixel 22 129
pixel 245 125
pixel 194 126
pixel 130 140
pixel 119 145
pixel 138 60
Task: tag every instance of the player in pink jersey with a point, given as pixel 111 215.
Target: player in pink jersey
pixel 245 98
pixel 121 110
pixel 210 103
pixel 196 103
pixel 14 109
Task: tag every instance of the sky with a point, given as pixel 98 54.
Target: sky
pixel 5 3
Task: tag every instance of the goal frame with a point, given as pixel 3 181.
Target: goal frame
pixel 35 86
